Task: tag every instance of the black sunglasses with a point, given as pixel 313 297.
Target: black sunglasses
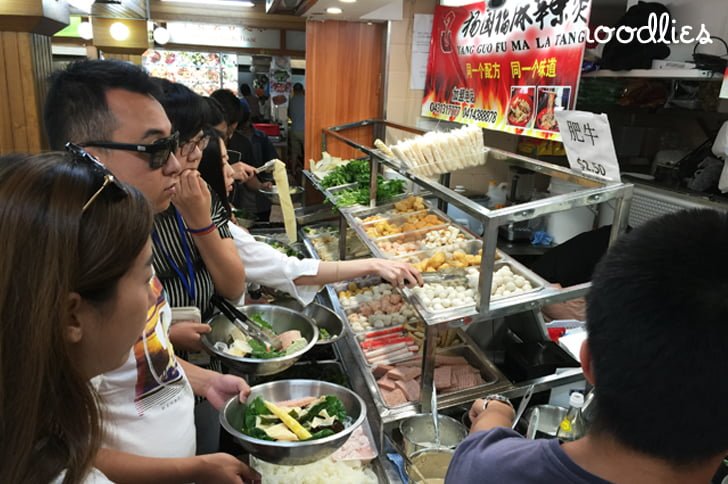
pixel 158 152
pixel 81 156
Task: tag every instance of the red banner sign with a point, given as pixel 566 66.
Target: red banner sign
pixel 506 65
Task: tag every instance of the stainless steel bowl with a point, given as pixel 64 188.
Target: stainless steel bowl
pixel 272 194
pixel 293 453
pixel 418 433
pixel 290 250
pixel 282 319
pixel 324 317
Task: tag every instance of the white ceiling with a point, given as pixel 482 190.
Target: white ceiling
pixel 360 11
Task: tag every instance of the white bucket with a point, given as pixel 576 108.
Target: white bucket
pixel 562 226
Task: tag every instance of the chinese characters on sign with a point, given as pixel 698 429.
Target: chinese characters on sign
pixel 519 64
pixel 588 142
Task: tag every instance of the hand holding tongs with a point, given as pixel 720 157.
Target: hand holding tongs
pixel 244 323
pixel 268 166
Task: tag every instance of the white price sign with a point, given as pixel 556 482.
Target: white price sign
pixel 588 142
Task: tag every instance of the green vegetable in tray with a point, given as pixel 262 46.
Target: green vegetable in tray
pixel 356 171
pixel 386 189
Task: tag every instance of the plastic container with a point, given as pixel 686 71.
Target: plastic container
pixel 562 226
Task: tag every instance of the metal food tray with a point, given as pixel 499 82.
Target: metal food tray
pixel 469 246
pixel 474 357
pixel 333 244
pixel 385 210
pixel 537 284
pixel 413 236
pixel 352 309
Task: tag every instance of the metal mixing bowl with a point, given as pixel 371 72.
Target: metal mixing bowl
pixel 282 319
pixel 293 453
pixel 272 194
pixel 418 433
pixel 324 317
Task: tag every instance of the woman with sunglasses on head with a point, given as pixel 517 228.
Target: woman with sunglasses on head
pixel 266 266
pixel 75 267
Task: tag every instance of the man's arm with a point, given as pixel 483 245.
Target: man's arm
pixel 212 468
pixel 497 414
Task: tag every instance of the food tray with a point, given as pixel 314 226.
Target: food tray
pixel 405 313
pixel 473 356
pixel 413 239
pixel 326 243
pixel 469 247
pixel 472 275
pixel 387 209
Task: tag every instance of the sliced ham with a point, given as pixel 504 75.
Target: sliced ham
pixel 381 370
pixel 288 337
pixel 443 377
pixel 300 402
pixel 464 378
pixel 394 398
pixel 410 388
pixel 386 384
pixel 405 373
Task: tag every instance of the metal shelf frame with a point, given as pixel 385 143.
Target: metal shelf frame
pixel 593 192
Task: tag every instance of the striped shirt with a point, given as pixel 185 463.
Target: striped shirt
pixel 168 235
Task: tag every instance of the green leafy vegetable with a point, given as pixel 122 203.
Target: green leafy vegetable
pixel 251 410
pixel 321 434
pixel 258 318
pixel 261 352
pixel 324 334
pixel 333 406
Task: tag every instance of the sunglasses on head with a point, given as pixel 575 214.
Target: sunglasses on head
pixel 82 157
pixel 158 152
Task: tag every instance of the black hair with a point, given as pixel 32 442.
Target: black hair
pixel 76 108
pixel 213 113
pixel 184 107
pixel 298 87
pixel 245 90
pixel 231 106
pixel 658 337
pixel 211 170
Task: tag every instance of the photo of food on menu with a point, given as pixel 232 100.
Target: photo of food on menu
pixel 520 106
pixel 551 99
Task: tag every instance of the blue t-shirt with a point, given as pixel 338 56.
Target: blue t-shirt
pixel 502 455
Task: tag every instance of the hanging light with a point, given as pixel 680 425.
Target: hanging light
pixel 160 35
pixel 85 30
pixel 119 31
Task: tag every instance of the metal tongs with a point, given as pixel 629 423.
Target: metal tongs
pixel 443 276
pixel 268 166
pixel 249 327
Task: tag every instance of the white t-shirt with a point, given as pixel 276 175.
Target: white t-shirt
pixel 147 403
pixel 94 476
pixel 270 268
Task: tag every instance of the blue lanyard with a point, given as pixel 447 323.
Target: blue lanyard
pixel 187 278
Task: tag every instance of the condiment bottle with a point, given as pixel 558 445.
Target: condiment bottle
pixel 572 427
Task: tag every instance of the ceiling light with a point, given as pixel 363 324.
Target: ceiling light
pixel 85 30
pixel 119 31
pixel 160 35
pixel 347 1
pixel 219 3
pixel 333 10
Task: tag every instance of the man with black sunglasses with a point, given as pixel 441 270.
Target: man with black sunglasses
pixel 109 108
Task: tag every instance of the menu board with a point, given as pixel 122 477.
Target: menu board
pixel 203 72
pixel 506 66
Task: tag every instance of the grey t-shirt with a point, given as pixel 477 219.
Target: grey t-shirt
pixel 502 455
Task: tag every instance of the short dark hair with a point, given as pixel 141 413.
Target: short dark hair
pixel 657 319
pixel 75 107
pixel 298 87
pixel 245 90
pixel 184 107
pixel 231 106
pixel 213 114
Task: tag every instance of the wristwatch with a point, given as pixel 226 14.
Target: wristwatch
pixel 497 398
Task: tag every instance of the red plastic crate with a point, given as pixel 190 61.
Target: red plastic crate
pixel 270 129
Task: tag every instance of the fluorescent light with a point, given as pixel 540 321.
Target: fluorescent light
pixel 85 30
pixel 119 31
pixel 347 1
pixel 333 10
pixel 220 3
